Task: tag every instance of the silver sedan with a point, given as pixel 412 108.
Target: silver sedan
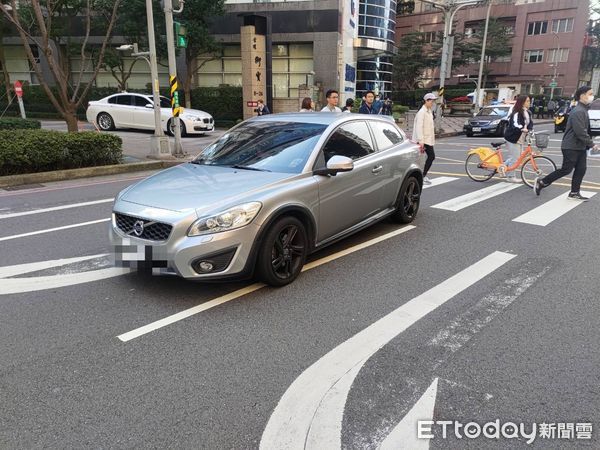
pixel 266 194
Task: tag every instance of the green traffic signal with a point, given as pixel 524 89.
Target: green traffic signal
pixel 180 35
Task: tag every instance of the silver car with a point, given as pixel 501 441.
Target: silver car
pixel 266 194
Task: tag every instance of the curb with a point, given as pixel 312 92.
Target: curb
pixel 61 175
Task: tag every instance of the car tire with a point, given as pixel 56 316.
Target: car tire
pixel 469 134
pixel 171 128
pixel 407 203
pixel 105 122
pixel 281 256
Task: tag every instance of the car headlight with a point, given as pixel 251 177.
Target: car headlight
pixel 495 122
pixel 230 219
pixel 193 118
pixel 466 122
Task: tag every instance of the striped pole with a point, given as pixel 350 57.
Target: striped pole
pixel 175 97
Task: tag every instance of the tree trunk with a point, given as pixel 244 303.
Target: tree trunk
pixel 72 121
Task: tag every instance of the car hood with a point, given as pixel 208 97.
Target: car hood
pixel 188 112
pixel 191 187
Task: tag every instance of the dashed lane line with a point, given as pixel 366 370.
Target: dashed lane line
pixel 55 208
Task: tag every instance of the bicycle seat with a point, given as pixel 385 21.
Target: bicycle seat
pixel 497 144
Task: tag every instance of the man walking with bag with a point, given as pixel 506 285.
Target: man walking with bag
pixel 576 141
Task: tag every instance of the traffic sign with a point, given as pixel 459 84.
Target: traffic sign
pixel 18 89
pixel 553 84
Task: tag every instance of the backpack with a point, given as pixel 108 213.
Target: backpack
pixel 512 133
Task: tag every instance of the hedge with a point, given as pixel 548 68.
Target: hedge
pixel 13 123
pixel 224 103
pixel 29 151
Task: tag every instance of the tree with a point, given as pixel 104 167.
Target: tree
pixel 47 24
pixel 411 60
pixel 196 17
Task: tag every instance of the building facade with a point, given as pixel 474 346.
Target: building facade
pixel 547 38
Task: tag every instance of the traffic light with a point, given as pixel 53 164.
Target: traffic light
pixel 180 35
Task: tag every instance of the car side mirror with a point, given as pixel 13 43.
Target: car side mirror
pixel 336 164
pixel 149 105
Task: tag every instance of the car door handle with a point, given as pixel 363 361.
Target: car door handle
pixel 377 169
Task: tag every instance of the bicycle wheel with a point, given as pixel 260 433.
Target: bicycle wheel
pixel 544 166
pixel 475 171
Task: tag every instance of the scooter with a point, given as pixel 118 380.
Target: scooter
pixel 560 120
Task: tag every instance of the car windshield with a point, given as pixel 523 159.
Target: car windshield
pixel 491 111
pixel 595 105
pixel 267 146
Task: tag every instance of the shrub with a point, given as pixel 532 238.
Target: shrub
pixel 14 123
pixel 28 151
pixel 400 109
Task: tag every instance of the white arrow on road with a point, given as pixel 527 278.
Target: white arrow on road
pixel 321 390
pixel 30 284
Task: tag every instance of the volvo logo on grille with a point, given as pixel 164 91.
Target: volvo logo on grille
pixel 138 228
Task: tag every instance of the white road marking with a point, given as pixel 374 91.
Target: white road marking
pixel 11 271
pixel 464 201
pixel 49 230
pixel 404 435
pixel 55 208
pixel 551 210
pixel 292 419
pixel 254 287
pixel 439 180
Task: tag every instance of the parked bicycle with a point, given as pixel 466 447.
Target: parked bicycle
pixel 483 163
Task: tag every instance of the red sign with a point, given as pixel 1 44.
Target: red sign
pixel 251 104
pixel 18 89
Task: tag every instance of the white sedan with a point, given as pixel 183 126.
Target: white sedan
pixel 594 114
pixel 132 110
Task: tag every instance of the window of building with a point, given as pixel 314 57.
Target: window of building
pixel 562 25
pixel 558 55
pixel 291 65
pixel 507 58
pixel 533 56
pixel 429 36
pixel 540 27
pixel 558 91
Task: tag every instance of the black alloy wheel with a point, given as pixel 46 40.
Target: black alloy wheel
pixel 407 204
pixel 283 252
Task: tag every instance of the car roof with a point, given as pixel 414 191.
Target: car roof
pixel 320 118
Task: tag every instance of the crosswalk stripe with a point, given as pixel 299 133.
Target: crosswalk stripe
pixel 439 180
pixel 551 210
pixel 458 203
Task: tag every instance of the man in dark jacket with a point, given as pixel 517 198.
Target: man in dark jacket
pixel 576 141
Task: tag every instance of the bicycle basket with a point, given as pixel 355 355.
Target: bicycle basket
pixel 541 140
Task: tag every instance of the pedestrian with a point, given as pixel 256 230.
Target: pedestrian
pixel 424 133
pixel 262 109
pixel 368 106
pixel 307 105
pixel 333 97
pixel 349 105
pixel 576 141
pixel 386 109
pixel 541 104
pixel 519 124
pixel 551 108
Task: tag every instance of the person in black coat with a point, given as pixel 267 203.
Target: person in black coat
pixel 576 141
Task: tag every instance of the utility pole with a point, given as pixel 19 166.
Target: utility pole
pixel 449 8
pixel 159 143
pixel 168 8
pixel 482 60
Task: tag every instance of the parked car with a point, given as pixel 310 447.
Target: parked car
pixel 132 110
pixel 595 117
pixel 266 194
pixel 490 120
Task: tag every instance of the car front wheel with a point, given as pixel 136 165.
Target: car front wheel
pixel 171 128
pixel 283 252
pixel 407 204
pixel 105 122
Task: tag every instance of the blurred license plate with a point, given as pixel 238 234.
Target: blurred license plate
pixel 476 129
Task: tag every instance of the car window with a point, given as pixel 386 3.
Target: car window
pixel 351 139
pixel 138 100
pixel 386 135
pixel 265 145
pixel 124 100
pixel 113 100
pixel 164 102
pixel 491 111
